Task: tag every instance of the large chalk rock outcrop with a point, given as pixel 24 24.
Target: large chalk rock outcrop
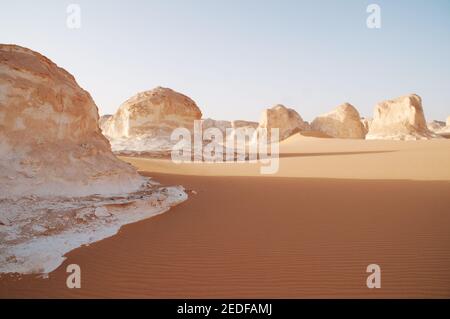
pixel 287 120
pixel 342 122
pixel 60 185
pixel 400 119
pixel 448 121
pixel 50 141
pixel 152 113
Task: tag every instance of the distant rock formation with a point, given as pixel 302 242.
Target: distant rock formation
pixel 342 122
pixel 436 126
pixel 244 124
pixel 288 121
pixel 440 128
pixel 221 125
pixel 245 127
pixel 400 119
pixel 50 141
pixel 103 119
pixel 152 113
pixel 145 121
pixel 366 123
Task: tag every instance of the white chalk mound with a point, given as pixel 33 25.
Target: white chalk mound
pixel 288 121
pixel 400 119
pixel 342 122
pixel 152 113
pixel 145 122
pixel 50 142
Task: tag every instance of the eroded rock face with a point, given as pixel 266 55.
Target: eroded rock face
pixel 366 123
pixel 400 119
pixel 342 122
pixel 50 142
pixel 288 121
pixel 152 113
pixel 448 121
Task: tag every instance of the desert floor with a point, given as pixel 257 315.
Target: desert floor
pixel 334 207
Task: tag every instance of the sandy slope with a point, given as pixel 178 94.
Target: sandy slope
pixel 297 234
pixel 332 158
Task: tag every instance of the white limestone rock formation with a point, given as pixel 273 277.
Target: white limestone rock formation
pixel 366 123
pixel 152 113
pixel 50 141
pixel 228 128
pixel 436 126
pixel 221 125
pixel 103 119
pixel 60 185
pixel 243 128
pixel 287 120
pixel 145 122
pixel 441 128
pixel 400 119
pixel 342 122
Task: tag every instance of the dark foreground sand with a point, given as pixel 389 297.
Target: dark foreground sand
pixel 270 237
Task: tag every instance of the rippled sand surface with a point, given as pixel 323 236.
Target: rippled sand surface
pixel 284 238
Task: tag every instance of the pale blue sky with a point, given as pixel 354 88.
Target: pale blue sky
pixel 236 57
